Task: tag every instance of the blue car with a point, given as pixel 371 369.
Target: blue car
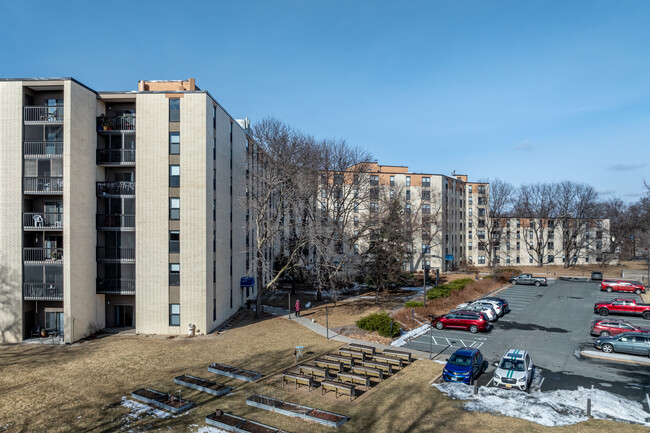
pixel 465 365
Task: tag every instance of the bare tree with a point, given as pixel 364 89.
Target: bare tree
pixel 535 205
pixel 577 205
pixel 500 199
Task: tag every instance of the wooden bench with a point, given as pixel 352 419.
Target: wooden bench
pixel 386 368
pixel 406 356
pixel 368 371
pixel 325 363
pixel 353 353
pixel 392 360
pixel 367 349
pixel 314 371
pixel 355 379
pixel 348 361
pixel 298 379
pixel 338 388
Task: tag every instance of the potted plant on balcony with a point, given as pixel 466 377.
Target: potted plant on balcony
pixel 55 255
pixel 106 123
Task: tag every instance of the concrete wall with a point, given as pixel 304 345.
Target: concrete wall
pixel 81 303
pixel 11 119
pixel 239 214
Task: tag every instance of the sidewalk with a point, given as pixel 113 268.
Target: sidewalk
pixel 617 357
pixel 321 330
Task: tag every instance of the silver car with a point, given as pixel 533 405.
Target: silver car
pixel 489 312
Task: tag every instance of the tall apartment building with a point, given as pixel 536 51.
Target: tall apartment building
pixel 109 222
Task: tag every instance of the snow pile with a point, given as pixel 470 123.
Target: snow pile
pixel 140 410
pixel 207 429
pixel 554 408
pixel 411 335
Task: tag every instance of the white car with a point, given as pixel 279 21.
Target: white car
pixel 515 370
pixel 484 304
pixel 495 304
pixel 489 312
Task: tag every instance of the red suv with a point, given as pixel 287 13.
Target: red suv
pixel 622 286
pixel 467 320
pixel 606 327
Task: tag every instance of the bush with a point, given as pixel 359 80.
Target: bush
pixel 411 304
pixel 445 289
pixel 503 275
pixel 380 322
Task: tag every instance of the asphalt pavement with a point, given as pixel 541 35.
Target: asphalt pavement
pixel 552 323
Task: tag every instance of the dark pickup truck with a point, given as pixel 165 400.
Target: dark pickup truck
pixel 623 306
pixel 529 279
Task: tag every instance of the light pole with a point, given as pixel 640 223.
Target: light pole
pixel 425 249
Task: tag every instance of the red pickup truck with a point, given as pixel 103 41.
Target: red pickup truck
pixel 622 286
pixel 623 306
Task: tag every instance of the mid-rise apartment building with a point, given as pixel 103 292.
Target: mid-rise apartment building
pixel 119 209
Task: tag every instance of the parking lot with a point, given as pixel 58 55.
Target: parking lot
pixel 552 323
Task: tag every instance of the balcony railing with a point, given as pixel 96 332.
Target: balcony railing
pixel 116 254
pixel 43 114
pixel 115 286
pixel 119 123
pixel 43 149
pixel 115 188
pixel 43 254
pixel 43 220
pixel 115 222
pixel 115 156
pixel 43 185
pixel 43 292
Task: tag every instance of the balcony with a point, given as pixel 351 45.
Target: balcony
pixel 115 286
pixel 43 114
pixel 48 255
pixel 116 124
pixel 115 222
pixel 118 189
pixel 43 220
pixel 43 185
pixel 116 254
pixel 43 149
pixel 43 292
pixel 116 157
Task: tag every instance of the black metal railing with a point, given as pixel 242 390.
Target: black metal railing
pixel 116 123
pixel 115 188
pixel 43 292
pixel 116 156
pixel 116 222
pixel 116 254
pixel 42 254
pixel 115 286
pixel 43 185
pixel 51 149
pixel 43 220
pixel 43 114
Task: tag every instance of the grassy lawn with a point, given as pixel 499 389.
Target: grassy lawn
pixel 80 387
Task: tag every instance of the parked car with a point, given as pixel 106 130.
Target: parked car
pixel 596 276
pixel 489 312
pixel 464 365
pixel 630 342
pixel 495 304
pixel 515 370
pixel 504 303
pixel 529 279
pixel 623 306
pixel 607 327
pixel 467 320
pixel 622 286
pixel 488 304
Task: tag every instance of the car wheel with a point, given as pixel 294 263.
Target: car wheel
pixel 604 334
pixel 439 325
pixel 514 282
pixel 609 289
pixel 537 284
pixel 608 348
pixel 473 329
pixel 637 291
pixel 646 315
pixel 603 312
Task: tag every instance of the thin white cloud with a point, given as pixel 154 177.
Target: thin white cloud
pixel 525 146
pixel 607 192
pixel 627 167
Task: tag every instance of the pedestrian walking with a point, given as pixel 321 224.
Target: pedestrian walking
pixel 298 308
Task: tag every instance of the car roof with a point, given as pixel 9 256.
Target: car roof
pixel 475 313
pixel 633 334
pixel 515 353
pixel 614 320
pixel 467 351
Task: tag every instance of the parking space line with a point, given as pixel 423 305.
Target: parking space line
pixel 434 340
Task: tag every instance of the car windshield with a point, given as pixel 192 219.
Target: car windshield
pixel 462 360
pixel 512 364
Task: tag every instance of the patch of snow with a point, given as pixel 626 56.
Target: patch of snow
pixel 439 361
pixel 414 289
pixel 554 408
pixel 140 410
pixel 209 429
pixel 410 335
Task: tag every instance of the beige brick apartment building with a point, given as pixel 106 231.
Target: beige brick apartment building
pixel 109 222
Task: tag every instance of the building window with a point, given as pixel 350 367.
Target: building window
pixel 508 246
pixel 550 258
pixel 426 195
pixel 174 109
pixel 408 194
pixel 174 241
pixel 518 223
pixel 530 235
pixel 469 212
pixel 408 208
pixel 469 200
pixel 356 249
pixel 481 260
pixel 174 208
pixel 174 176
pixel 323 193
pixel 374 207
pixel 374 180
pixel 469 246
pixel 426 209
pixel 469 235
pixel 356 207
pixel 356 220
pixel 408 180
pixel 174 274
pixel 392 181
pixel 426 182
pixel 518 259
pixel 174 143
pixel 469 189
pixel 530 259
pixel 174 314
pixel 508 259
pixel 551 246
pixel 392 193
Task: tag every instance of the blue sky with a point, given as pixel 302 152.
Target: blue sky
pixel 525 91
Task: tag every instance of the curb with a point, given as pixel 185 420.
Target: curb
pixel 615 357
